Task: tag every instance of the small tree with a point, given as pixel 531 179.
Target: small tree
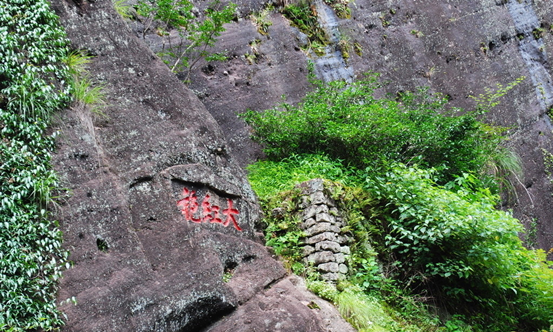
pixel 196 35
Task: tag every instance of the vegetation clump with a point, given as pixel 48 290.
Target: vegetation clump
pixel 197 34
pixel 340 7
pixel 34 82
pixel 346 122
pixel 419 183
pixel 304 17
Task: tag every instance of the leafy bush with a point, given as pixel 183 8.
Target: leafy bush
pixel 33 84
pixel 458 246
pixel 426 230
pixel 346 122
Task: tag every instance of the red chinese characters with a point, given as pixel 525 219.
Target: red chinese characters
pixel 209 213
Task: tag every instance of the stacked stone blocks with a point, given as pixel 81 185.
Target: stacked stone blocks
pixel 324 246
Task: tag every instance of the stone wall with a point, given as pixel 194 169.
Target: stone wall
pixel 325 246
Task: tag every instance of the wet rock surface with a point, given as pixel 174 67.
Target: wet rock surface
pixel 159 218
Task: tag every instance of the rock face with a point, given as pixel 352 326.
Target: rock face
pixel 456 47
pixel 281 309
pixel 160 220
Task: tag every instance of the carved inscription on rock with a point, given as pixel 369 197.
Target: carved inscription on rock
pixel 207 211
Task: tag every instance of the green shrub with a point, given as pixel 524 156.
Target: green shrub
pixel 425 226
pixel 196 36
pixel 458 246
pixel 346 122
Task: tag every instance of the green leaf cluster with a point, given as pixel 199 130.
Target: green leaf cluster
pixel 417 183
pixel 461 248
pixel 34 82
pixel 33 78
pixel 304 17
pixel 347 122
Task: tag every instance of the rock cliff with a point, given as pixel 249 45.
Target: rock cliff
pixel 455 47
pixel 160 220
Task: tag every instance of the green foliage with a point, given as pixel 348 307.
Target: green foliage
pixel 548 163
pixel 32 76
pixel 197 36
pixel 457 323
pixel 340 8
pixel 304 17
pixel 367 313
pixel 490 98
pixel 31 257
pixel 362 312
pixel 323 289
pixel 425 226
pixel 414 237
pixel 460 247
pixel 283 235
pixel 268 178
pixel 346 122
pixel 33 84
pixel 169 13
pixel 85 92
pixel 262 21
pixel 122 8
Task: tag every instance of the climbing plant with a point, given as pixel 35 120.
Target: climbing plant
pixel 34 82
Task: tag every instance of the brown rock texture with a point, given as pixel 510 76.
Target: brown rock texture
pixel 160 219
pixel 282 308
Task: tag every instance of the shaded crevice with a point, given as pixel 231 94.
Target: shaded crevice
pixel 197 185
pixel 196 316
pixel 140 180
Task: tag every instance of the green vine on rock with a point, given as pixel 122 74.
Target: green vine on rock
pixel 34 82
